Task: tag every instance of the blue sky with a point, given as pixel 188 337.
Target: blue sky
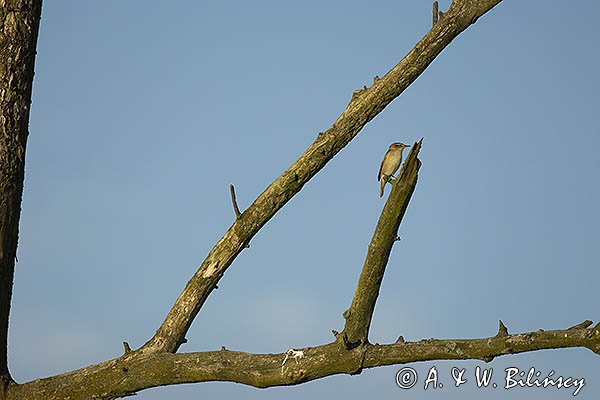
pixel 144 113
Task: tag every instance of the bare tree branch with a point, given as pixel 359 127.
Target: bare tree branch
pixel 363 107
pixel 358 316
pixel 131 373
pixel 582 325
pixel 236 209
pixel 19 22
pixel 155 365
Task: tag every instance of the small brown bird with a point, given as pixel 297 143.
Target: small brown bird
pixel 390 164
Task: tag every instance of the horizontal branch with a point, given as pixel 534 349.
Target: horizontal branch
pixel 135 371
pixel 363 107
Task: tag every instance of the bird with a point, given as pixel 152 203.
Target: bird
pixel 390 164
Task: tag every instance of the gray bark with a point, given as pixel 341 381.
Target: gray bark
pixel 154 364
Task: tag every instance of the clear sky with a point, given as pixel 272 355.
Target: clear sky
pixel 144 112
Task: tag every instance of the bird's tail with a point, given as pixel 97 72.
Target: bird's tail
pixel 382 185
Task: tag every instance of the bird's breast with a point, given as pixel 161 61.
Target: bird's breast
pixel 391 162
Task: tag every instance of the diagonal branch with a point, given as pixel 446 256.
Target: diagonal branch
pixel 128 374
pixel 363 107
pixel 358 316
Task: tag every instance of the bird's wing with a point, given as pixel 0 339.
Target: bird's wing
pixel 381 167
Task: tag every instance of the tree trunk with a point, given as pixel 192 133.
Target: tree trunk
pixel 19 23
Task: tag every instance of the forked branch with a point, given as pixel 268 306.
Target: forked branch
pixel 363 107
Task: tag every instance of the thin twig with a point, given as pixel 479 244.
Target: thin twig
pixel 236 209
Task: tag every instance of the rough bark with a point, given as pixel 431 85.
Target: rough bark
pixel 358 316
pixel 155 364
pixel 19 22
pixel 133 372
pixel 363 107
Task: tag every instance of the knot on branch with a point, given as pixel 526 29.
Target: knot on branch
pixel 357 94
pixel 127 348
pixel 502 330
pixel 582 325
pixel 182 341
pixel 346 314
